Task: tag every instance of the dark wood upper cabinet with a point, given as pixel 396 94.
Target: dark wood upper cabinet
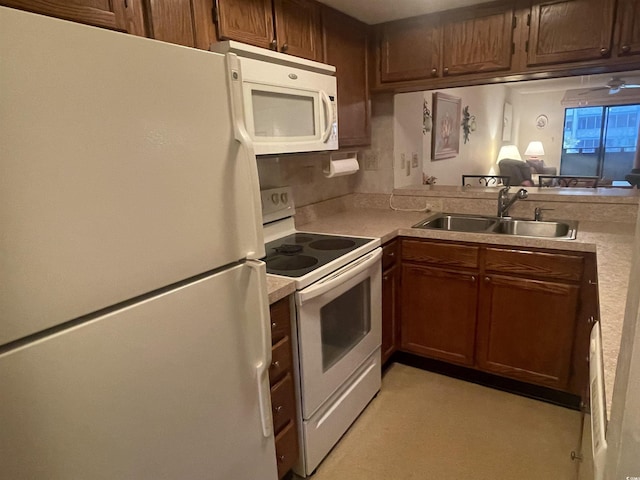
pixel 288 26
pixel 298 28
pixel 345 42
pixel 566 31
pixel 112 14
pixel 172 21
pixel 410 49
pixel 248 21
pixel 481 41
pixel 628 27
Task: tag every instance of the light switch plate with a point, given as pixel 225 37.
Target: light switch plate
pixel 414 160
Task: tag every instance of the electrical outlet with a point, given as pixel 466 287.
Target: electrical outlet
pixel 408 169
pixel 414 160
pixel 403 161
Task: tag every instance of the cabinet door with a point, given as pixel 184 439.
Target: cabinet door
pixel 345 47
pixel 172 21
pixel 564 31
pixel 410 49
pixel 390 327
pixel 439 313
pixel 526 329
pixel 248 21
pixel 628 27
pixel 115 15
pixel 298 28
pixel 482 43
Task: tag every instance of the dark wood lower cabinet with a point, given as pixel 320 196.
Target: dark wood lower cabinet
pixel 390 300
pixel 519 313
pixel 439 313
pixel 283 396
pixel 526 329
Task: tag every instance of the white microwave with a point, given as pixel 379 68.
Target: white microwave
pixel 289 104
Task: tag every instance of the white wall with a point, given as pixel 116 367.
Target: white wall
pixel 408 141
pixel 526 109
pixel 476 157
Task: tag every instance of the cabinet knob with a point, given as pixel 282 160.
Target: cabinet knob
pixel 446 70
pixel 626 48
pixel 281 458
pixel 275 364
pixel 434 72
pixel 392 254
pixel 284 48
pixel 593 282
pixel 273 325
pixel 591 320
pixel 278 409
pixel 273 45
pixel 604 52
pixel 385 277
pixel 473 278
pixel 487 279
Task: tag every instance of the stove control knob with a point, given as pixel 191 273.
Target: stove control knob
pixel 284 198
pixel 275 199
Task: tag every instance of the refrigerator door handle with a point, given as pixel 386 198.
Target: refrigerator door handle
pixel 242 136
pixel 262 366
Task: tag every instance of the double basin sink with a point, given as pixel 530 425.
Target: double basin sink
pixel 560 229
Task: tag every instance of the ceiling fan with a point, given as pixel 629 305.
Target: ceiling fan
pixel 614 86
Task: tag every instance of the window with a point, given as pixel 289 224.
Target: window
pixel 600 141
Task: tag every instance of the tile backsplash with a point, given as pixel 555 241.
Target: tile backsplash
pixel 303 173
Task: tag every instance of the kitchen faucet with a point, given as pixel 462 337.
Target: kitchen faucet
pixel 504 202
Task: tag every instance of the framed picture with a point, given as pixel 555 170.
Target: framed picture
pixel 445 142
pixel 507 120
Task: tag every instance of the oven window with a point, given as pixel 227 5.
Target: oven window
pixel 344 322
pixel 282 115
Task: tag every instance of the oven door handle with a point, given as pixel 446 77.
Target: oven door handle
pixel 340 276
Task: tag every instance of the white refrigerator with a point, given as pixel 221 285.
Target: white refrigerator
pixel 134 339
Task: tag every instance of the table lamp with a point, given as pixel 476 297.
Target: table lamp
pixel 534 150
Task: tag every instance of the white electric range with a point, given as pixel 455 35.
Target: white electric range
pixel 337 325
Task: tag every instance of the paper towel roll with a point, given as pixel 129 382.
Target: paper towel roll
pixel 338 168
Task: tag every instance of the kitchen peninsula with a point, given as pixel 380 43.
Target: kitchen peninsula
pixel 607 219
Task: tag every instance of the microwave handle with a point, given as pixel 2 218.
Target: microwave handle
pixel 339 277
pixel 329 111
pixel 251 164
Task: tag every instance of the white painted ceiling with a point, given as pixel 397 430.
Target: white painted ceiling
pixel 378 11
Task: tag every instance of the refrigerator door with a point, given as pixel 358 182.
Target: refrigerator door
pixel 119 172
pixel 163 389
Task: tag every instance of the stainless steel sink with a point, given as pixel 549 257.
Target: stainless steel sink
pixel 459 223
pixel 531 228
pixel 560 229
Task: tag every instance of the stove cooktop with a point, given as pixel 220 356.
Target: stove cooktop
pixel 300 253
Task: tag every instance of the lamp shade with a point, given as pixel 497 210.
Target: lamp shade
pixel 534 149
pixel 509 151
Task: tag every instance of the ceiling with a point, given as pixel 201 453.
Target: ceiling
pixel 378 11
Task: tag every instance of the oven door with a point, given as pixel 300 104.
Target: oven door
pixel 339 326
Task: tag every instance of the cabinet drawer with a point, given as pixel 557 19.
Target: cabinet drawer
pixel 283 402
pixel 442 254
pixel 280 320
pixel 534 264
pixel 286 448
pixel 281 361
pixel 389 254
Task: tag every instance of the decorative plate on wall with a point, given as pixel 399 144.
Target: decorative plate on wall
pixel 542 121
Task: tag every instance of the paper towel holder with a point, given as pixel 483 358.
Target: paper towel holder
pixel 340 164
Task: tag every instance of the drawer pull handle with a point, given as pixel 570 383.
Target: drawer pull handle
pixel 604 52
pixel 276 364
pixel 626 49
pixel 593 282
pixel 592 319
